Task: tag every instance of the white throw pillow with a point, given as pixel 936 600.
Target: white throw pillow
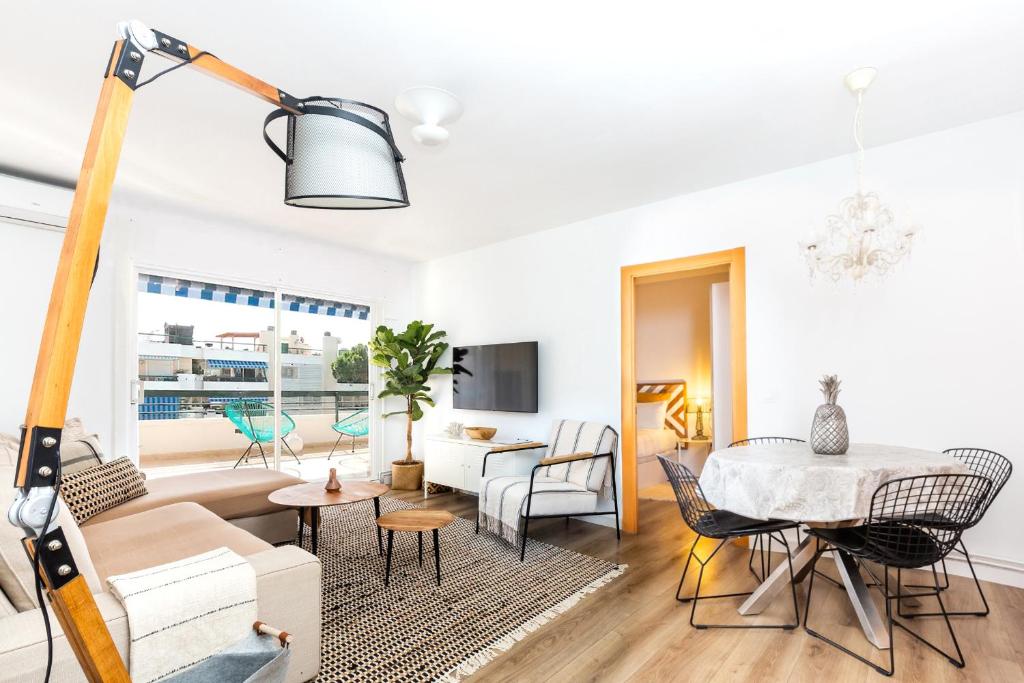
pixel 651 415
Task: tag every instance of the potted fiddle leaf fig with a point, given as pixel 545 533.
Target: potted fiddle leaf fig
pixel 409 359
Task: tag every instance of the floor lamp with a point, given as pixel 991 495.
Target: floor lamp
pixel 340 155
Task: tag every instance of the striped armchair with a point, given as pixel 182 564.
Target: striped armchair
pixel 576 478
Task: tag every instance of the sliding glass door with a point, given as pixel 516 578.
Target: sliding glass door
pixel 325 386
pixel 236 377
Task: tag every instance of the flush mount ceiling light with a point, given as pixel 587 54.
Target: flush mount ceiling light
pixel 431 108
pixel 862 238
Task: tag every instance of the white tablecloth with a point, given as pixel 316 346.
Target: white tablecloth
pixel 789 481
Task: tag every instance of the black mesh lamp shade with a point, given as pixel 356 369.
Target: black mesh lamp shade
pixel 341 155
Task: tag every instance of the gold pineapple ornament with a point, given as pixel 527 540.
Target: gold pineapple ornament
pixel 829 432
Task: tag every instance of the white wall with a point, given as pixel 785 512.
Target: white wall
pixel 721 363
pixel 673 331
pixel 931 357
pixel 163 238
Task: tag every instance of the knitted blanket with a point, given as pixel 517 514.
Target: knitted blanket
pixel 184 612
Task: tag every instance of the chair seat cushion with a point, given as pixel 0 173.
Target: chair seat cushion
pixel 550 496
pixel 230 494
pixel 503 502
pixel 890 543
pixel 722 523
pixel 165 534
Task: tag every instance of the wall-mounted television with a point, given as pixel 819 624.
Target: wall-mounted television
pixel 496 377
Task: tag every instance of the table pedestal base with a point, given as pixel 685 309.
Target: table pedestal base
pixel 871 621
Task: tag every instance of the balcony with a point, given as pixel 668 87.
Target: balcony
pixel 184 430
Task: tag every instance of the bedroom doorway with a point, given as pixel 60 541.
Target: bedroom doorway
pixel 683 367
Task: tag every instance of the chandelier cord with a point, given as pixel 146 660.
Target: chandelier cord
pixel 860 239
pixel 858 137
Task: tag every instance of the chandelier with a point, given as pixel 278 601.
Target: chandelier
pixel 862 238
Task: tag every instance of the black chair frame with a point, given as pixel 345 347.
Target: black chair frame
pixel 524 520
pixel 915 522
pixel 891 621
pixel 700 517
pixel 998 468
pixel 696 597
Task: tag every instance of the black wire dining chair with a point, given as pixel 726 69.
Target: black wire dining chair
pixel 997 468
pixel 914 523
pixel 723 526
pixel 766 566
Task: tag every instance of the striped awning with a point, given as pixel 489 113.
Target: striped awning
pixel 222 363
pixel 207 291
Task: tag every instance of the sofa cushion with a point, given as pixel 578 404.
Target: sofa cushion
pixel 6 608
pixel 78 449
pixel 100 488
pixel 16 575
pixel 162 535
pixel 230 494
pixel 9 444
pixel 80 454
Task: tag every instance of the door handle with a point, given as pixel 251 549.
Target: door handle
pixel 136 393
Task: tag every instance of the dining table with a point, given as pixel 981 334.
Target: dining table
pixel 789 481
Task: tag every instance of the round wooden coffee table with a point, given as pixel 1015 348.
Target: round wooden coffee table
pixel 418 521
pixel 313 496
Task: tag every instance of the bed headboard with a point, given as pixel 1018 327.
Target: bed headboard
pixel 675 415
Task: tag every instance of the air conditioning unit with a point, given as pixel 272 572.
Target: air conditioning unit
pixel 34 204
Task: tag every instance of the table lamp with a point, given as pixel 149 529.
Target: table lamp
pixel 340 155
pixel 699 406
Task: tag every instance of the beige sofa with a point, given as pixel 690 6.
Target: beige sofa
pixel 181 516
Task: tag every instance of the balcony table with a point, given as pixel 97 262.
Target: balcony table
pixel 789 481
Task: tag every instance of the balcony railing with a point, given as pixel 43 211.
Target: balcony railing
pixel 231 344
pixel 175 404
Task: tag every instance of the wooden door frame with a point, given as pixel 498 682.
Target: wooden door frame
pixel 735 261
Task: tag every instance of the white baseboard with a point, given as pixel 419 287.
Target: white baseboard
pixel 994 569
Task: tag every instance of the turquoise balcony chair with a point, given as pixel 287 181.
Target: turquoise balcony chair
pixel 255 420
pixel 355 425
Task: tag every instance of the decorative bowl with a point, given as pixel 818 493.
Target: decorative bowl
pixel 481 433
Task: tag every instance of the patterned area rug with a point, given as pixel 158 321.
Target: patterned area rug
pixel 416 631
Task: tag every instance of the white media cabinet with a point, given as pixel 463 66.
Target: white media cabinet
pixel 457 462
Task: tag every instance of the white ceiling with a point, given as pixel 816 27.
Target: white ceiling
pixel 573 109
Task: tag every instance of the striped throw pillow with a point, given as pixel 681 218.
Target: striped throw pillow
pixel 90 492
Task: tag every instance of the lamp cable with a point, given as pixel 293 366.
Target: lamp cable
pixel 176 66
pixel 858 138
pixel 40 549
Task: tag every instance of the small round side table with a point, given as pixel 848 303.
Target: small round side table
pixel 313 496
pixel 418 521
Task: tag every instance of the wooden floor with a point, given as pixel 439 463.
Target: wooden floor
pixel 634 630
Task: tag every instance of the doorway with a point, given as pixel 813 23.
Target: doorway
pixel 727 266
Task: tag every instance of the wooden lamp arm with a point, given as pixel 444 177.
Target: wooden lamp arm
pixel 38 467
pixel 62 331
